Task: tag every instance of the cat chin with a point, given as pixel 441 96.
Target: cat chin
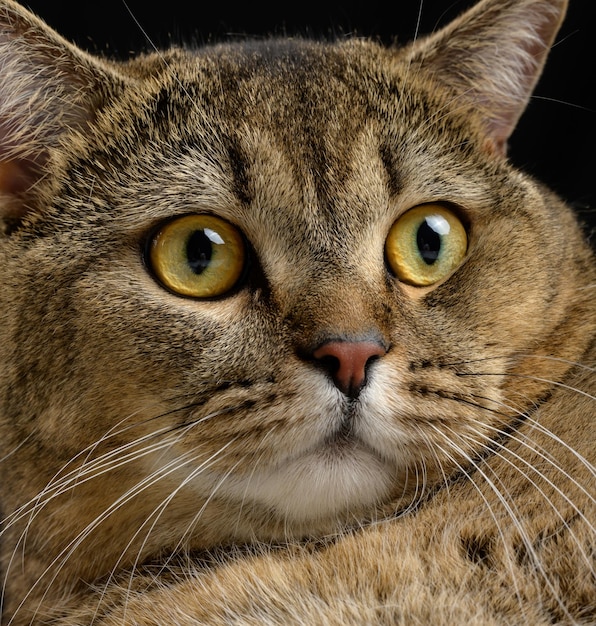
pixel 322 484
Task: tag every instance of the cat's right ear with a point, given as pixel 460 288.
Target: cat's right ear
pixel 492 57
pixel 47 86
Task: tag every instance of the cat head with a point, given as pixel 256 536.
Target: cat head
pixel 262 288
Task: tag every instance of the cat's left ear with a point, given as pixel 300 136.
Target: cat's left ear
pixel 47 88
pixel 492 56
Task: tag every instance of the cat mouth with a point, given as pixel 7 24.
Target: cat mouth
pixel 346 439
pixel 343 437
pixel 345 444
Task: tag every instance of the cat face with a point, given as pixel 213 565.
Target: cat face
pixel 271 287
pixel 316 380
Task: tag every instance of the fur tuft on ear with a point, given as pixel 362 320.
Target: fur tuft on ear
pixel 493 55
pixel 46 87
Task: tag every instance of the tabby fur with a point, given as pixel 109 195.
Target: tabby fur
pixel 170 460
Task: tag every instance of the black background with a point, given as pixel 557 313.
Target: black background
pixel 555 140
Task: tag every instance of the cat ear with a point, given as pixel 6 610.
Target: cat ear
pixel 493 55
pixel 47 86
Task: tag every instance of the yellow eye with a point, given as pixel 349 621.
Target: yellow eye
pixel 200 256
pixel 426 244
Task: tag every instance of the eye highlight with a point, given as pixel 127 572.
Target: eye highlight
pixel 426 244
pixel 198 256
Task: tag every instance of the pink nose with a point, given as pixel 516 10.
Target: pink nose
pixel 347 362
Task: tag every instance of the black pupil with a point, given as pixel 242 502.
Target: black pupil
pixel 429 243
pixel 199 251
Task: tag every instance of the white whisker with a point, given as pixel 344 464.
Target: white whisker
pixel 534 378
pixel 489 507
pixel 508 504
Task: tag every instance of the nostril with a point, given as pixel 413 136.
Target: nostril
pixel 330 363
pixel 347 362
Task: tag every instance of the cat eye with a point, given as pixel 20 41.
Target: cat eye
pixel 426 244
pixel 199 256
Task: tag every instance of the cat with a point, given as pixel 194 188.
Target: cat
pixel 286 338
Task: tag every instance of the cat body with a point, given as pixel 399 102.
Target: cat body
pixel 291 293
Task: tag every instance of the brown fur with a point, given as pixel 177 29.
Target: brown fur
pixel 465 557
pixel 140 428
